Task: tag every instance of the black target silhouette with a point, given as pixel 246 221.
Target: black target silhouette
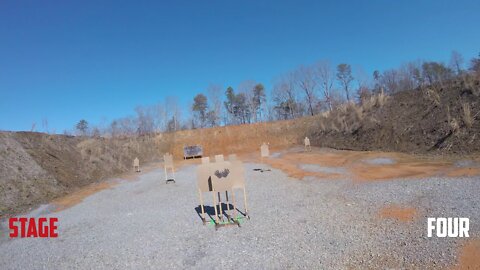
pixel 223 173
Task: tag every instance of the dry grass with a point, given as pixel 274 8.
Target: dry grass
pixel 381 99
pixel 321 125
pixel 378 100
pixel 334 127
pixel 472 84
pixel 432 96
pixel 454 126
pixel 449 116
pixel 467 115
pixel 452 122
pixel 359 112
pixel 369 103
pixel 349 116
pixel 325 114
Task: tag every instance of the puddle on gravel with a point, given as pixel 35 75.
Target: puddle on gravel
pixel 380 161
pixel 292 169
pixel 404 214
pixel 406 168
pixel 368 166
pixel 465 163
pixel 468 255
pixel 276 155
pixel 322 169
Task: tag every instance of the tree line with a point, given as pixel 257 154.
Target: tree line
pixel 304 91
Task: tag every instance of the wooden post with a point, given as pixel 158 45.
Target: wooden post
pixel 220 203
pixel 201 206
pixel 245 202
pixel 234 204
pixel 215 206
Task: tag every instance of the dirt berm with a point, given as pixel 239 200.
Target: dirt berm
pixel 36 168
pixel 442 119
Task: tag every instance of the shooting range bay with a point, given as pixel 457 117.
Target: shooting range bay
pixel 318 219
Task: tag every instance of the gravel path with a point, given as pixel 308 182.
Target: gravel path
pixel 309 224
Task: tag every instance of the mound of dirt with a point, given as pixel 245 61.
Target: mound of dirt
pixel 35 168
pixel 240 138
pixel 23 182
pixel 436 119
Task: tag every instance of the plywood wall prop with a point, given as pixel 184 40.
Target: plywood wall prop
pixel 218 178
pixel 168 165
pixel 307 144
pixel 136 165
pixel 264 151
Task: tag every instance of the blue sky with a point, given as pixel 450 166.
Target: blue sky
pixel 67 60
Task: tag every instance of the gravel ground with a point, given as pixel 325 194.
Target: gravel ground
pixel 308 224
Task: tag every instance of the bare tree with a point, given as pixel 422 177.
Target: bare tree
pixel 377 78
pixel 96 132
pixel 284 97
pixel 160 113
pixel 456 62
pixel 436 72
pixel 172 114
pixel 45 125
pixel 145 120
pixel 364 84
pixel 326 78
pixel 246 88
pixel 475 64
pixel 337 99
pixel 390 80
pixel 305 79
pixel 126 126
pixel 114 129
pixel 344 76
pixel 407 76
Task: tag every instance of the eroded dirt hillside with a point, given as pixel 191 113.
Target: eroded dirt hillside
pixel 441 119
pixel 36 168
pixel 240 138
